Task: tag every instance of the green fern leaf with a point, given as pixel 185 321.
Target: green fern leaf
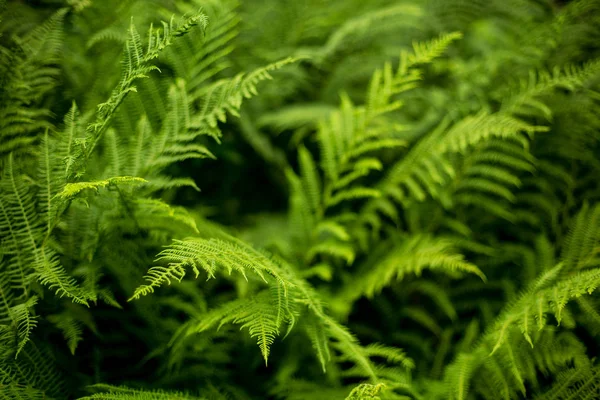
pixel 208 255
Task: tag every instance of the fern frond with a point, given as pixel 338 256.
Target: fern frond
pixel 528 313
pixel 366 391
pixel 261 322
pixel 16 270
pixel 367 25
pixel 427 168
pixel 334 248
pixel 392 355
pixel 13 391
pixel 34 368
pixel 110 392
pixel 310 179
pixel 151 153
pixel 460 373
pixel 51 273
pixel 317 334
pixel 24 226
pixel 524 102
pixel 412 256
pixel 578 284
pixel 73 190
pixel 226 96
pixel 200 56
pixel 486 125
pixel 156 214
pixel 581 244
pixel 347 138
pixel 347 344
pixel 50 183
pixel 574 383
pixel 71 328
pixel 67 140
pixel 136 64
pixel 426 52
pixel 208 255
pixel 31 73
pixel 25 322
pixel 491 172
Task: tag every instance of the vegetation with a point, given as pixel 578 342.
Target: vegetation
pixel 299 199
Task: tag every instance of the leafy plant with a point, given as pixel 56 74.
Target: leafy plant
pixel 407 210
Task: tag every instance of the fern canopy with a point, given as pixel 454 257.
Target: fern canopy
pixel 301 199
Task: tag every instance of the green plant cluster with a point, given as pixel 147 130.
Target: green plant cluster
pixel 299 199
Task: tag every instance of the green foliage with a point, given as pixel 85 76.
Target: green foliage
pixel 299 199
pixel 124 393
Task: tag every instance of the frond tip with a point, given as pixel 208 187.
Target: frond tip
pixel 366 391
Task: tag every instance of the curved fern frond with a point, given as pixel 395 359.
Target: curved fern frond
pixel 209 255
pixel 413 255
pixel 524 102
pixel 427 169
pixel 262 315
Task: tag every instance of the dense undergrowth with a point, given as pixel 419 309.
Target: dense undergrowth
pixel 299 199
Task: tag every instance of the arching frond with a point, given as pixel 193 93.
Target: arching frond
pixel 408 255
pixel 209 255
pixel 262 315
pixel 524 99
